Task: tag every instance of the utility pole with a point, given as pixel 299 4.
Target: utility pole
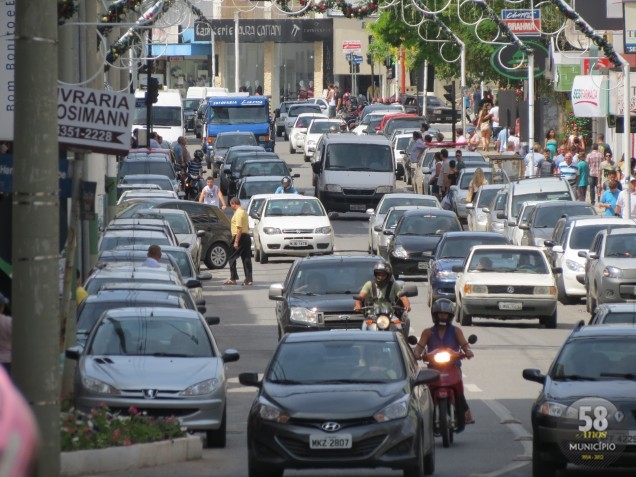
pixel 35 224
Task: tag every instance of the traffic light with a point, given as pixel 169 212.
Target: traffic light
pixel 356 68
pixel 369 59
pixel 450 97
pixel 152 93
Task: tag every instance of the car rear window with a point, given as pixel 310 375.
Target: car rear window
pixel 459 247
pixel 548 216
pixel 406 201
pixel 582 237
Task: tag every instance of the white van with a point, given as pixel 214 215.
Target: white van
pixel 167 114
pixel 202 92
pixel 352 173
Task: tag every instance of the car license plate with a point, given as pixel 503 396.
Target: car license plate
pixel 336 441
pixel 506 305
pixel 422 265
pixel 358 207
pixel 298 243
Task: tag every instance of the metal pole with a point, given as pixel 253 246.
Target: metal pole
pixel 213 46
pixel 236 51
pixel 462 81
pixel 626 136
pixel 35 223
pixel 148 77
pixel 424 88
pixel 530 54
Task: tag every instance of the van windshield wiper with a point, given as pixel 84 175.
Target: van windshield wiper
pixel 575 377
pixel 630 376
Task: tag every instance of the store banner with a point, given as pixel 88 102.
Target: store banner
pixel 7 70
pixel 589 96
pixel 258 31
pixel 629 13
pixel 617 98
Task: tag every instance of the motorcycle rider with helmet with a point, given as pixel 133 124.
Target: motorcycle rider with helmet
pixel 286 186
pixel 382 288
pixel 443 334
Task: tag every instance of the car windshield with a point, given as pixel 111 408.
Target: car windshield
pixel 191 103
pixel 178 223
pixel 432 101
pixel 264 168
pixel 229 140
pixel 324 362
pixel 321 127
pixel 359 157
pixel 155 336
pixel 518 200
pixel 185 267
pixel 426 225
pixel 248 189
pixel 255 205
pixel 307 108
pixel 403 142
pixel 163 183
pixel 621 246
pixel 237 163
pixel 293 207
pixel 392 218
pixel 597 358
pixel 459 247
pixel 238 115
pixel 620 317
pixel 161 115
pixel 508 261
pixel 96 283
pixel 467 176
pixel 486 196
pixel 582 236
pixel 406 201
pixel 547 217
pixel 303 122
pixel 323 278
pixel 402 123
pixel 109 242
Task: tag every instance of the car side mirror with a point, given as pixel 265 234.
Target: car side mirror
pixel 193 284
pixel 250 379
pixel 582 253
pixel 377 228
pixel 230 355
pixel 524 226
pixel 581 278
pixel 557 270
pixel 426 376
pixel 73 353
pixel 412 340
pixel 202 309
pixel 255 215
pixel 549 243
pixel 408 290
pixel 184 244
pixel 200 233
pixel 501 215
pixel 533 375
pixel 457 268
pixel 512 223
pixel 296 175
pixel 592 255
pixel 556 248
pixel 470 206
pixel 388 232
pixel 212 320
pixel 316 167
pixel 276 292
pixel 333 215
pixel 472 339
pixel 486 210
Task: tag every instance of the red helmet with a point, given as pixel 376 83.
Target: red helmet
pixel 387 100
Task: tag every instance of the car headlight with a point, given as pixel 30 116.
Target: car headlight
pixel 98 386
pixel 263 138
pixel 471 289
pixel 445 274
pixel 333 187
pixel 323 230
pixel 269 412
pixel 219 158
pixel 271 231
pixel 396 410
pixel 612 272
pixel 384 189
pixel 304 315
pixel 574 266
pixel 399 252
pixel 545 291
pixel 497 226
pixel 311 142
pixel 204 387
pixel 556 409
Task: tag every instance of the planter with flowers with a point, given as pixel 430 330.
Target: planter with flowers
pixel 101 441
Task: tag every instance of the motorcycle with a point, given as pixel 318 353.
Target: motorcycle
pixel 446 391
pixel 192 187
pixel 383 316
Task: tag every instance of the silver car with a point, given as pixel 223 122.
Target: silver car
pixel 459 192
pixel 476 217
pixel 162 361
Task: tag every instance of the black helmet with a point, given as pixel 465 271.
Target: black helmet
pixel 198 154
pixel 286 182
pixel 382 267
pixel 442 305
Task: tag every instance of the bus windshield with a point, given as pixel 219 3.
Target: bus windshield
pixel 238 115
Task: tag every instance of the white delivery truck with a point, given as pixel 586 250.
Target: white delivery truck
pixel 167 114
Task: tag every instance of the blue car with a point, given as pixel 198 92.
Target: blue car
pixel 452 250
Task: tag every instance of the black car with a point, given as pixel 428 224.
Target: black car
pixel 318 293
pixel 544 217
pixel 415 237
pixel 585 411
pixel 223 142
pixel 230 155
pixel 233 174
pixel 190 106
pixel 341 399
pixel 436 111
pixel 199 118
pixel 452 249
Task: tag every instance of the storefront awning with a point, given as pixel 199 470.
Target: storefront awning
pixel 181 49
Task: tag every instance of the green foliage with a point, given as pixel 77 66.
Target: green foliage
pixel 101 428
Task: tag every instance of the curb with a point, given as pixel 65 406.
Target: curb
pixel 115 459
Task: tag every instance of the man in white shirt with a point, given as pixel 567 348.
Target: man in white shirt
pixel 621 202
pixel 496 129
pixel 532 160
pixel 153 257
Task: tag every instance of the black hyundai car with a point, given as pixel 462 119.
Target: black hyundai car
pixel 342 399
pixel 318 293
pixel 585 412
pixel 415 238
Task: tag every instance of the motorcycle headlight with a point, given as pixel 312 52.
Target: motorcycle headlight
pixel 269 412
pixel 272 230
pixel 199 389
pixel 323 230
pixel 545 291
pixel 396 410
pixel 98 386
pixel 384 189
pixel 304 315
pixel 574 266
pixel 442 357
pixel 400 252
pixel 383 322
pixel 333 188
pixel 612 272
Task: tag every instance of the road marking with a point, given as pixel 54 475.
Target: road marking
pixel 242 390
pixel 473 388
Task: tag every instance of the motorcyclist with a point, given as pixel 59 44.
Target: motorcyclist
pixel 194 168
pixel 382 288
pixel 286 186
pixel 443 334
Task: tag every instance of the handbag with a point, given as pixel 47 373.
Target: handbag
pixel 484 125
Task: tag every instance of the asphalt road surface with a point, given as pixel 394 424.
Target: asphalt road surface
pixel 499 444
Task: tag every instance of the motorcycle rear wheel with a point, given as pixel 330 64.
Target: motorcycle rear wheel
pixel 445 424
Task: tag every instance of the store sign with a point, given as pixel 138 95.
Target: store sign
pixel 564 77
pixel 617 98
pixel 351 45
pixel 257 31
pixel 511 62
pixel 630 26
pixel 522 22
pixel 589 96
pixel 594 64
pixel 7 70
pixel 6 175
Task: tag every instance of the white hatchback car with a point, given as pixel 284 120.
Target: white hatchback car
pixel 299 130
pixel 254 205
pixel 316 129
pixel 292 225
pixel 506 282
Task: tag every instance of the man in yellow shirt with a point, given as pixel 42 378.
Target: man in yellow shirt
pixel 242 244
